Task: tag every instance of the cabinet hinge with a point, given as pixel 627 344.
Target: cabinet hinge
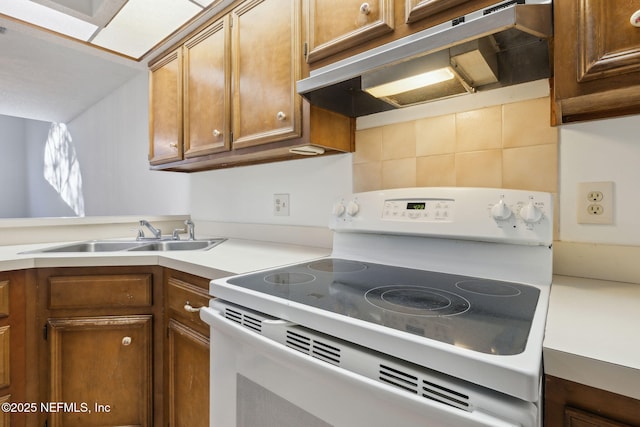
pixel 45 331
pixel 305 50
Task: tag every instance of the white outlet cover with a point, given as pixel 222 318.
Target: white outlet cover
pixel 281 204
pixel 583 203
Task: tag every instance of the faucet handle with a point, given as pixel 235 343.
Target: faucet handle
pixel 191 229
pixel 176 233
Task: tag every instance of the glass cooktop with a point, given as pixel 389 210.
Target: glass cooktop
pixel 483 315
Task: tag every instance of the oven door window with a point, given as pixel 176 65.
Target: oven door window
pixel 256 382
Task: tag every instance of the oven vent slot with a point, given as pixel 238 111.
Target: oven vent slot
pixel 445 395
pixel 243 319
pixel 312 347
pixel 398 378
pixel 430 390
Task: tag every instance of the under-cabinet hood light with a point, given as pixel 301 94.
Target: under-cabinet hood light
pixel 411 83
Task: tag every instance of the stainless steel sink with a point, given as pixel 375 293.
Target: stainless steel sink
pixel 133 245
pixel 178 245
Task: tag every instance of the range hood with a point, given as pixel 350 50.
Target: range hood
pixel 498 46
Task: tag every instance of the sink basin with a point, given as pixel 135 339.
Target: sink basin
pixel 178 245
pixel 135 245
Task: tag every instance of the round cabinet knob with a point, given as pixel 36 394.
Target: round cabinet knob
pixel 635 18
pixel 339 209
pixel 281 116
pixel 353 208
pixel 365 8
pixel 216 133
pixel 530 213
pixel 173 145
pixel 500 211
pixel 126 341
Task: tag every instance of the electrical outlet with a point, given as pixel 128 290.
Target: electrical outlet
pixel 595 202
pixel 281 204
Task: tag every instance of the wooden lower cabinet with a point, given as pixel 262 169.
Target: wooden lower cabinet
pixel 187 350
pixel 102 368
pixel 570 404
pixel 101 352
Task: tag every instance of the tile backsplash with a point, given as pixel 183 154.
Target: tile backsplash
pixel 508 146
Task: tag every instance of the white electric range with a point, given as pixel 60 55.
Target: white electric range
pixel 430 311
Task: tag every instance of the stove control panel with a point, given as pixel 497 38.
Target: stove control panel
pixel 419 210
pixel 487 214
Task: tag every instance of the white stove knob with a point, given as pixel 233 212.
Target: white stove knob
pixel 353 208
pixel 530 213
pixel 500 211
pixel 338 209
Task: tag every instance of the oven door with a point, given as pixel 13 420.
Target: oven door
pixel 256 382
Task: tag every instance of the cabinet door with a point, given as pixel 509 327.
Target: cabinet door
pixel 336 25
pixel 266 65
pixel 418 9
pixel 103 366
pixel 596 59
pixel 188 360
pixel 207 91
pixel 165 104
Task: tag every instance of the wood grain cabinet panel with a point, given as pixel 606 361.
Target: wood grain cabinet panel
pixel 188 363
pixel 105 363
pixel 207 91
pixel 337 25
pixel 187 348
pixel 419 9
pixel 596 59
pixel 165 109
pixel 100 291
pixel 570 404
pixel 266 55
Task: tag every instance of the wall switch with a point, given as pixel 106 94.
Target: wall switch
pixel 595 202
pixel 281 204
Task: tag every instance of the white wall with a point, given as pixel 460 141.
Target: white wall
pixel 604 150
pixel 111 141
pixel 245 194
pixel 13 179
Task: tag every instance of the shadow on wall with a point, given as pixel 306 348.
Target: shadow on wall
pixel 62 168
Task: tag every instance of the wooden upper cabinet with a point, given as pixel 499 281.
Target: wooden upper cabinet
pixel 596 59
pixel 336 25
pixel 266 55
pixel 207 91
pixel 419 9
pixel 165 104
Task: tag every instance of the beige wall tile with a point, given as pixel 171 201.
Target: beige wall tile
pixel 479 129
pixel 399 141
pixel 367 177
pixel 531 168
pixel 399 173
pixel 436 135
pixel 368 145
pixel 436 171
pixel 479 169
pixel 527 123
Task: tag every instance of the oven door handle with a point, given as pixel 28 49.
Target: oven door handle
pixel 388 393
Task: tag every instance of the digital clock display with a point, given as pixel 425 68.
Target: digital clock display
pixel 417 205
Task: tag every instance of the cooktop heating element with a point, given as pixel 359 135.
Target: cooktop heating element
pixel 484 315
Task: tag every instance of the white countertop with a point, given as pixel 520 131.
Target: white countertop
pixel 233 256
pixel 591 334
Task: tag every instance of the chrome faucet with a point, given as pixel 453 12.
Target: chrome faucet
pixel 157 234
pixel 190 229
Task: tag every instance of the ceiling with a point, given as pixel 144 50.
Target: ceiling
pixel 50 76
